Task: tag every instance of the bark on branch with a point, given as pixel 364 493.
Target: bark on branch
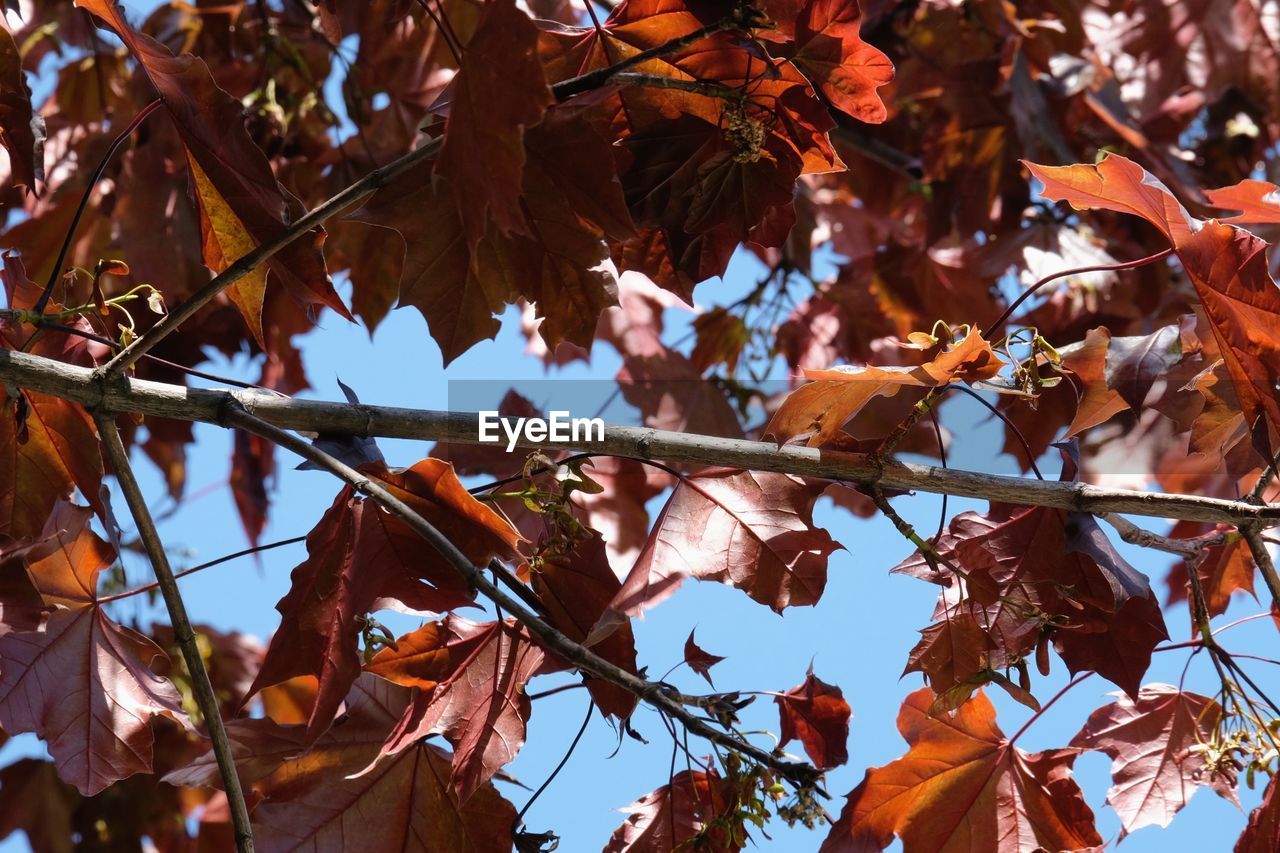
pixel 657 695
pixel 157 399
pixel 183 633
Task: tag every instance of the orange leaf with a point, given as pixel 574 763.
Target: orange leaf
pixel 1257 201
pixel 1228 267
pixel 963 787
pixel 832 54
pixel 823 406
pixel 1119 184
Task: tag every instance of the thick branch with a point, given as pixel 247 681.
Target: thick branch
pixel 352 195
pixel 657 695
pixel 156 399
pixel 201 687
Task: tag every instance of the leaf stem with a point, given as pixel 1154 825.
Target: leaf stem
pixel 84 202
pixel 1027 294
pixel 1047 705
pixel 591 706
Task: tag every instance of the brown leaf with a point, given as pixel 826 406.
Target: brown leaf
pixel 1028 573
pixel 35 801
pixel 817 714
pixel 752 530
pixel 499 92
pixel 673 815
pixel 1135 363
pixel 1262 835
pixel 241 204
pixel 963 787
pixel 1154 768
pixel 576 588
pixel 48 446
pixel 315 798
pixel 81 682
pixel 361 558
pixel 1224 569
pixel 699 660
pixel 21 129
pixel 480 706
pixel 253 463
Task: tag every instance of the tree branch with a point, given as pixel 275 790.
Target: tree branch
pixel 353 194
pixel 659 696
pixel 158 399
pixel 1261 556
pixel 742 18
pixel 566 89
pixel 1188 549
pixel 183 633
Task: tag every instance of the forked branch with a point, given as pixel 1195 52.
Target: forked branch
pixel 657 695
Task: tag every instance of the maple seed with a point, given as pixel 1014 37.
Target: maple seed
pixel 744 133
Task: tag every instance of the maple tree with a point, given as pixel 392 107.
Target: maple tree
pixel 1061 212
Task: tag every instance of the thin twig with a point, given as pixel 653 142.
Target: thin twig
pixel 355 193
pixel 657 695
pixel 1264 480
pixel 1017 433
pixel 257 549
pixel 84 201
pixel 591 706
pixel 163 362
pixel 1200 619
pixel 710 88
pixel 1047 705
pixel 1030 291
pixel 566 89
pixel 201 687
pixel 1185 548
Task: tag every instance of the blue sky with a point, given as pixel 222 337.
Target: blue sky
pixel 857 637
